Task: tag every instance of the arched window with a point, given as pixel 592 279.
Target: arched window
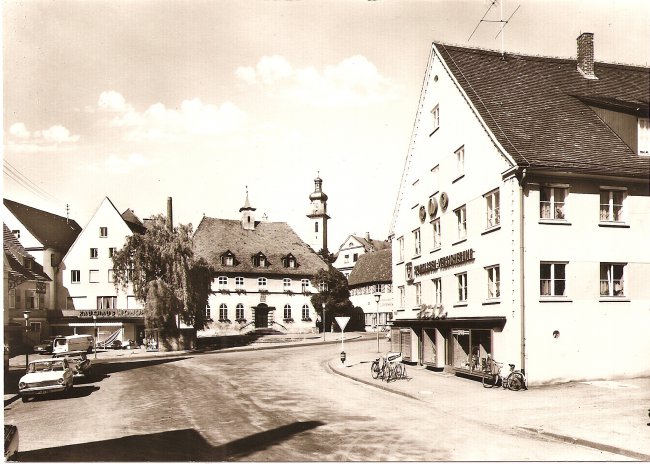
pixel 305 313
pixel 287 312
pixel 223 312
pixel 207 312
pixel 239 312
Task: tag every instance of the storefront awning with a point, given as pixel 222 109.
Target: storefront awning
pixel 490 322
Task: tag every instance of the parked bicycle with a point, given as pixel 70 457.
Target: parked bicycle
pixel 515 380
pixel 388 367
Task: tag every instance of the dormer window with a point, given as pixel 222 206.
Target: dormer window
pixel 228 259
pixel 259 260
pixel 289 261
pixel 27 263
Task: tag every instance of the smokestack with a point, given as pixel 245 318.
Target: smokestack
pixel 586 55
pixel 170 216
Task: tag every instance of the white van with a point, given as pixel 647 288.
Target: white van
pixel 73 343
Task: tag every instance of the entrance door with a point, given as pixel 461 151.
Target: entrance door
pixel 261 317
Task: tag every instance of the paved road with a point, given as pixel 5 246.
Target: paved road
pixel 275 405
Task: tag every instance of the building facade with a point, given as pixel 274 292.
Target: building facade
pixel 93 304
pixel 520 228
pixel 352 248
pixel 262 273
pixel 370 285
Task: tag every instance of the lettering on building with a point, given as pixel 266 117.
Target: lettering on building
pixel 444 262
pixel 111 313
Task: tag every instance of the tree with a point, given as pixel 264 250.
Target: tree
pixel 336 297
pixel 164 274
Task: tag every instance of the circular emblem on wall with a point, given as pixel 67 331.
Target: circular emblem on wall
pixel 444 200
pixel 433 207
pixel 422 213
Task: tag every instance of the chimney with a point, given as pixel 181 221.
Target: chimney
pixel 368 236
pixel 170 217
pixel 586 55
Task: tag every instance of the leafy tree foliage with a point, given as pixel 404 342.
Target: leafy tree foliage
pixel 164 274
pixel 336 297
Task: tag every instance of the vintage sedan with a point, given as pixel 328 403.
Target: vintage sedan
pixel 46 346
pixel 11 442
pixel 46 376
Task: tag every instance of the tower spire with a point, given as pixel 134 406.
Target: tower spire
pixel 318 215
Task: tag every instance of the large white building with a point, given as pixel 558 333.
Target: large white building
pixel 262 272
pixel 521 227
pixel 352 248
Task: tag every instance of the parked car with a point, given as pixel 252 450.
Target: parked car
pixel 44 376
pixel 74 343
pixel 46 346
pixel 79 363
pixel 11 442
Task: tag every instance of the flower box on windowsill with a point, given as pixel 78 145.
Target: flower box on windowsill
pixel 240 291
pixel 306 319
pixel 225 320
pixel 288 292
pixel 241 321
pixel 263 290
pixel 288 319
pixel 306 292
pixel 224 291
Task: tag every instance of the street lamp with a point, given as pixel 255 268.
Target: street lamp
pixel 95 333
pixel 322 288
pixel 377 298
pixel 26 316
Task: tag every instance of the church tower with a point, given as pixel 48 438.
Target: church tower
pixel 318 216
pixel 248 215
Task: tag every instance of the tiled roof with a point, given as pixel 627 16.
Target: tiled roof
pixel 133 222
pixel 51 230
pixel 371 244
pixel 214 237
pixel 537 108
pixel 372 268
pixel 15 255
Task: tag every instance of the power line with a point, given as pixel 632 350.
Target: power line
pixel 24 181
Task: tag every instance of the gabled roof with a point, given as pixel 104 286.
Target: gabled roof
pixel 372 268
pixel 370 244
pixel 133 222
pixel 214 237
pixel 537 108
pixel 14 259
pixel 51 230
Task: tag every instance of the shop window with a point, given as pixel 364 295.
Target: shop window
pixel 471 348
pixel 552 279
pixel 611 205
pixel 492 211
pixel 612 279
pixel 552 202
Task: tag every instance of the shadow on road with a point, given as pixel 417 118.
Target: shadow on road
pixel 176 445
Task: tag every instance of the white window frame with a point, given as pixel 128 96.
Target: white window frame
pixel 75 276
pixel 643 128
pixel 492 209
pixel 401 296
pixel 222 282
pixel 613 287
pixel 207 312
pixel 493 282
pixel 437 290
pixel 460 161
pixel 556 209
pixel 437 235
pixel 111 276
pixel 418 293
pixel 461 280
pixel 239 311
pixel 435 118
pixel 417 242
pixel 553 280
pixel 461 222
pixel 239 283
pixel 93 276
pixel 103 232
pixel 286 283
pixel 223 312
pixel 305 312
pixel 111 252
pixel 608 207
pixel 94 253
pixel 261 283
pixel 287 312
pixel 400 247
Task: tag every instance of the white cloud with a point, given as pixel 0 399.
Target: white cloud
pixel 111 100
pixel 355 81
pixel 22 140
pixel 19 130
pixel 158 123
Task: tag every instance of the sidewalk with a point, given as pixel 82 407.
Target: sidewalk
pixel 609 416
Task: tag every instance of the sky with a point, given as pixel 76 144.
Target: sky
pixel 203 100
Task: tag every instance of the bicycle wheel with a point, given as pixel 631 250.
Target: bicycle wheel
pixel 399 372
pixel 516 381
pixel 374 369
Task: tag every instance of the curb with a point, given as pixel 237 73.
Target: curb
pixel 531 431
